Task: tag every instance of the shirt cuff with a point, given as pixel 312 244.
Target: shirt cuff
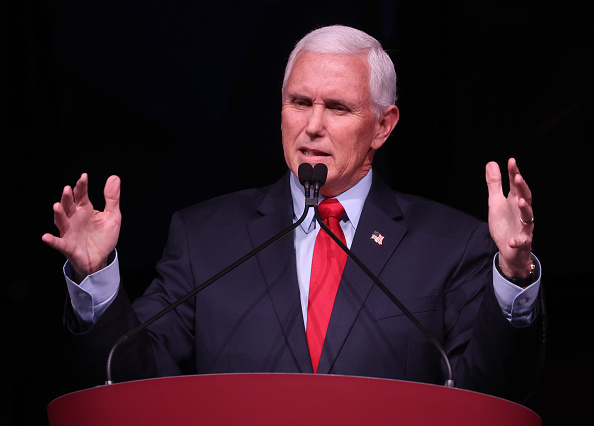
pixel 95 293
pixel 518 304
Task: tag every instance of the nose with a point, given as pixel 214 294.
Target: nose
pixel 315 122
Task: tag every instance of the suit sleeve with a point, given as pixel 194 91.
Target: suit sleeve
pixel 487 352
pixel 166 346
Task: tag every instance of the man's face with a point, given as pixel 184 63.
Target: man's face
pixel 327 117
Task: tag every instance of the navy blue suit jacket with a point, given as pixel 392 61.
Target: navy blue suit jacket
pixel 436 260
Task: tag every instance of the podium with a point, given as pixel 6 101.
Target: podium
pixel 283 399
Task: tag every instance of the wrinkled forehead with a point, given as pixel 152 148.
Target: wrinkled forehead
pixel 315 56
pixel 343 72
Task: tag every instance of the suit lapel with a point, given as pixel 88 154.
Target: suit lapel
pixel 379 214
pixel 279 270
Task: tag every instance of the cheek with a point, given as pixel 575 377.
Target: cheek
pixel 351 143
pixel 289 134
pixel 291 121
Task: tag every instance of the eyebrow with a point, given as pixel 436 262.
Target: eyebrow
pixel 333 101
pixel 327 101
pixel 295 96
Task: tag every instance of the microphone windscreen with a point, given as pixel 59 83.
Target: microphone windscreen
pixel 305 172
pixel 320 172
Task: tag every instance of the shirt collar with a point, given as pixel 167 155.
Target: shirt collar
pixel 352 200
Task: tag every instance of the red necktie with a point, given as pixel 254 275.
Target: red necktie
pixel 326 270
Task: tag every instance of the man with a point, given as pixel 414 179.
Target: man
pixel 338 108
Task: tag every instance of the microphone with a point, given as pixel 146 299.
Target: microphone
pixel 307 171
pixel 320 172
pixel 316 177
pixel 450 378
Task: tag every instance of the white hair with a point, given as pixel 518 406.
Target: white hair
pixel 341 40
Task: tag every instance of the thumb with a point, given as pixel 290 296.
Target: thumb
pixel 493 178
pixel 111 192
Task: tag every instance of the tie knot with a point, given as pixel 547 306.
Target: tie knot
pixel 331 207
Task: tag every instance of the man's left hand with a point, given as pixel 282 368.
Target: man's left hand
pixel 511 220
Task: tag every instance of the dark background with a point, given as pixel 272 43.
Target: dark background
pixel 181 99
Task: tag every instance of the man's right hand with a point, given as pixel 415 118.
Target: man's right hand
pixel 87 236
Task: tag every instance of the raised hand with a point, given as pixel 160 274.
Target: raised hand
pixel 87 236
pixel 511 220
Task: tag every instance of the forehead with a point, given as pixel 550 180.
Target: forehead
pixel 329 73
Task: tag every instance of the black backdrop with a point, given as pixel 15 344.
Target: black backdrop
pixel 181 99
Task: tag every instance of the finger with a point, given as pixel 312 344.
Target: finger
pixel 518 186
pixel 60 218
pixel 53 242
pixel 111 193
pixel 522 242
pixel 67 201
pixel 56 243
pixel 49 239
pixel 493 178
pixel 526 215
pixel 521 188
pixel 513 171
pixel 81 190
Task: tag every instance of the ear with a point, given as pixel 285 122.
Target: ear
pixel 385 124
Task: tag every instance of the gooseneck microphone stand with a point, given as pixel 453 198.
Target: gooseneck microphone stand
pixel 308 176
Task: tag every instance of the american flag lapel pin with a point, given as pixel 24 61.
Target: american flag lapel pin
pixel 377 237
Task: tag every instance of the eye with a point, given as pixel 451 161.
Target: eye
pixel 339 108
pixel 300 101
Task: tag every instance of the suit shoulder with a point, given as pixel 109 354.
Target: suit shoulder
pixel 431 216
pixel 240 204
pixel 239 207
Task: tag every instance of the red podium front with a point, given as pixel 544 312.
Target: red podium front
pixel 283 399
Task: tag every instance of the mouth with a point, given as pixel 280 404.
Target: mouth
pixel 310 153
